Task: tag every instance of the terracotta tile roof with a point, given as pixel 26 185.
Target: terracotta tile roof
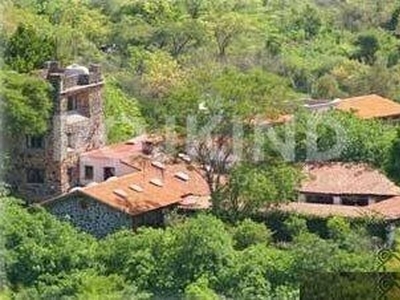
pixel 118 151
pixel 346 178
pixel 325 210
pixel 370 106
pixel 148 189
pixel 195 202
pixel 389 208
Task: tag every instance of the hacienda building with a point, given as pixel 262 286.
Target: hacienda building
pixel 345 184
pixel 364 107
pixel 348 190
pixel 138 199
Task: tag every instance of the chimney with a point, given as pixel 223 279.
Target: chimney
pixel 95 68
pixel 147 147
pixel 53 66
pixel 95 73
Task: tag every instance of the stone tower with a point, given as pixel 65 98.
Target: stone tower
pixel 48 165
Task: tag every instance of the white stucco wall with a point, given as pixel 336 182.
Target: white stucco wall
pixel 98 168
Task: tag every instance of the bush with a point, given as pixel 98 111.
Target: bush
pixel 249 233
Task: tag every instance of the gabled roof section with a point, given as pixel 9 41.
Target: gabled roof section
pixel 140 195
pixel 337 178
pixel 389 208
pixel 370 106
pixel 118 151
pixel 325 210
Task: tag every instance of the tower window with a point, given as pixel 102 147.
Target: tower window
pixel 72 103
pixel 34 142
pixel 70 174
pixel 35 175
pixel 88 172
pixel 70 140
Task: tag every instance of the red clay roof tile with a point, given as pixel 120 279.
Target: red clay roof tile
pixel 325 210
pixel 346 178
pixel 370 106
pixel 152 196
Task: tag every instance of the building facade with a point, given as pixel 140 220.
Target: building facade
pixel 99 219
pixel 348 184
pixel 48 165
pixel 133 200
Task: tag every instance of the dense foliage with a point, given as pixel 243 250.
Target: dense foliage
pixel 199 257
pixel 167 62
pixel 26 103
pixel 253 56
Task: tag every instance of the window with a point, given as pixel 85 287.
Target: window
pixel 35 175
pixel 70 140
pixel 34 142
pixel 70 174
pixel 320 199
pixel 72 103
pixel 109 172
pixel 355 201
pixel 88 172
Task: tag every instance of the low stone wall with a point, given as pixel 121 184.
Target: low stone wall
pixel 89 215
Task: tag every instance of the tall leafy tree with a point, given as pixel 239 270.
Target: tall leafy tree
pixel 26 50
pixel 26 104
pixel 367 46
pixel 392 165
pixel 251 188
pixel 123 117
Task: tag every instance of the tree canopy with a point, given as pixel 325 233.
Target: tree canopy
pixel 26 103
pixel 170 63
pixel 200 257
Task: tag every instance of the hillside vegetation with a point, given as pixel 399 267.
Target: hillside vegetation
pixel 164 61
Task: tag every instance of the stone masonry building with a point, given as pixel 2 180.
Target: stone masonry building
pixel 137 199
pixel 47 166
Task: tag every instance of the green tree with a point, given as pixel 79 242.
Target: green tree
pixel 165 262
pixel 201 247
pixel 352 145
pixel 228 27
pixel 123 116
pixel 326 87
pixel 392 165
pixel 26 50
pixel 216 105
pixel 36 244
pixel 309 21
pixel 295 225
pixel 180 36
pixel 248 233
pixel 257 271
pixel 199 290
pixel 347 237
pixel 367 46
pixel 251 188
pixel 142 257
pixel 26 104
pixel 394 20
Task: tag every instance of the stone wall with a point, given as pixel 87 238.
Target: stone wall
pixel 60 163
pixel 97 218
pixel 23 159
pixel 89 215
